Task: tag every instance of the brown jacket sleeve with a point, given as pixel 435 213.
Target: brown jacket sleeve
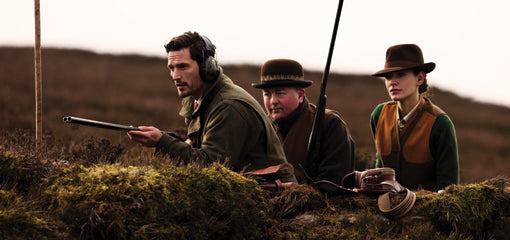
pixel 336 155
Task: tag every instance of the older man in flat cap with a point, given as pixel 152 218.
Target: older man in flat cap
pixel 283 86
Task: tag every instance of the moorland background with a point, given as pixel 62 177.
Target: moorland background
pixel 136 90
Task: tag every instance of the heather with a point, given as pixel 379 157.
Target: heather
pixel 88 183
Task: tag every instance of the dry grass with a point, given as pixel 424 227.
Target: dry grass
pixel 135 90
pixel 93 189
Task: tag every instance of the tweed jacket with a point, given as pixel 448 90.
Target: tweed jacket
pixel 228 125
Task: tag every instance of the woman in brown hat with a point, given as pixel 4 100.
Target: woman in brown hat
pixel 412 135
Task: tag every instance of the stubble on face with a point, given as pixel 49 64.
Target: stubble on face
pixel 185 74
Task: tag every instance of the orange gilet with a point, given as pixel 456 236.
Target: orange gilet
pixel 407 151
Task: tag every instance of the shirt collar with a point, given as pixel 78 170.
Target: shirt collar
pixel 403 121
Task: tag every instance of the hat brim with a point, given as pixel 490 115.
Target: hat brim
pixel 427 67
pixel 282 83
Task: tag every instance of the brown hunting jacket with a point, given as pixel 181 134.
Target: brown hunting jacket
pixel 335 155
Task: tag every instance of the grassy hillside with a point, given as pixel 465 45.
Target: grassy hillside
pixel 131 89
pixel 95 190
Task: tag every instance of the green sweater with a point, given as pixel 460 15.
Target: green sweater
pixel 424 153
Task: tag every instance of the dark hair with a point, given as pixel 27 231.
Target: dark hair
pixel 191 40
pixel 424 86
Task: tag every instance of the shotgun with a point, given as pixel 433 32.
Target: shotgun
pixel 106 125
pixel 313 143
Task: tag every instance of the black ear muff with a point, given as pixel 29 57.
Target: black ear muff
pixel 209 69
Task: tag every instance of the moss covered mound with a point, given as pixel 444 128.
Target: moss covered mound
pixel 478 210
pixel 62 194
pixel 20 219
pixel 171 202
pixel 474 211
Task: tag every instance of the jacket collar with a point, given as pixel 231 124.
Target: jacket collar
pixel 187 111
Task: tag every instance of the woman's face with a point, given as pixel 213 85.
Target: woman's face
pixel 404 84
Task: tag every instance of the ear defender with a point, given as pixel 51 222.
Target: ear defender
pixel 209 69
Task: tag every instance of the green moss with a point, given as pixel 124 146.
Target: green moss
pixel 24 225
pixel 20 219
pixel 58 195
pixel 471 209
pixel 171 202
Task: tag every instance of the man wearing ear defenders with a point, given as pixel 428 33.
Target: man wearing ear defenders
pixel 283 86
pixel 225 123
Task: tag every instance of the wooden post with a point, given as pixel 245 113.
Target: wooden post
pixel 38 80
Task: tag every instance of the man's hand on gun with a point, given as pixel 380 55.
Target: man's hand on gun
pixel 147 136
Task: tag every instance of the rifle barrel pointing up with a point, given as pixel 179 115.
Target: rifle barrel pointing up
pixel 313 144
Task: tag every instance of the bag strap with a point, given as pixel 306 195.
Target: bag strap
pixel 398 210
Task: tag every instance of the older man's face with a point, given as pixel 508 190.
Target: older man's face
pixel 281 101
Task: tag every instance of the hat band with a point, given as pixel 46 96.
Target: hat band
pixel 281 77
pixel 404 64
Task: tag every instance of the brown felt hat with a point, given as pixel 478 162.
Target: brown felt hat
pixel 403 57
pixel 282 73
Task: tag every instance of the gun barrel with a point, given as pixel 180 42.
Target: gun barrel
pixel 107 125
pixel 99 124
pixel 321 103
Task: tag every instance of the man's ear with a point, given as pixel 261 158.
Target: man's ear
pixel 301 93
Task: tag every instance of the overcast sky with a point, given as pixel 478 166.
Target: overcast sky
pixel 467 39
